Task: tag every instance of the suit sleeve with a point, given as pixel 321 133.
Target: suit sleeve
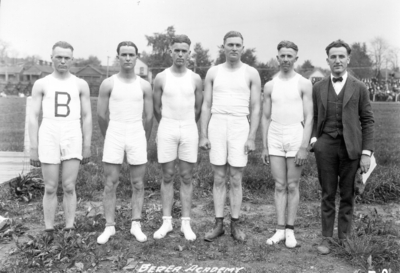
pixel 366 119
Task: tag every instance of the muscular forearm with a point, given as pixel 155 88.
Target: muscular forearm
pixel 308 127
pixel 103 124
pixel 205 119
pixel 33 132
pixel 148 125
pixel 87 131
pixel 254 122
pixel 265 122
pixel 157 115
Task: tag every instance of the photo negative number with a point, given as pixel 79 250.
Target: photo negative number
pixel 61 109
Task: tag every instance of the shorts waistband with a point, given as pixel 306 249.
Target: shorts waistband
pixel 178 121
pixel 292 125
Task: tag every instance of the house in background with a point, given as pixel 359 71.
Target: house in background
pixel 35 72
pixel 314 75
pixel 12 73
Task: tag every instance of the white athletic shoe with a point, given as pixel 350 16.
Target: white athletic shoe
pixel 164 229
pixel 136 231
pixel 278 236
pixel 107 233
pixel 291 241
pixel 187 230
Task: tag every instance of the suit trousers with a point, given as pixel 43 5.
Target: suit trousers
pixel 335 168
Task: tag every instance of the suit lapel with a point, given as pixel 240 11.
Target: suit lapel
pixel 349 90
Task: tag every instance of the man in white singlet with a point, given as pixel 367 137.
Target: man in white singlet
pixel 287 122
pixel 178 94
pixel 125 96
pixel 65 101
pixel 231 88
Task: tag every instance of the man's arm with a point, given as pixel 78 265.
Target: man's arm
pixel 102 104
pixel 314 132
pixel 36 105
pixel 308 113
pixel 198 93
pixel 367 128
pixel 266 120
pixel 255 103
pixel 157 94
pixel 86 112
pixel 148 107
pixel 204 143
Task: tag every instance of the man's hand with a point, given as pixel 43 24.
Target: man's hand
pixel 265 156
pixel 86 155
pixel 34 158
pixel 249 146
pixel 204 143
pixel 301 156
pixel 365 162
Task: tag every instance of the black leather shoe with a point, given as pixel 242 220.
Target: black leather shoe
pixel 216 232
pixel 236 232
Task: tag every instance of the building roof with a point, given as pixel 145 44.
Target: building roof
pixel 12 69
pixel 308 74
pixel 38 70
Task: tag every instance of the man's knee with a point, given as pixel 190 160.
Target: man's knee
pixel 168 175
pixel 219 179
pixel 280 186
pixel 111 183
pixel 236 179
pixel 50 188
pixel 186 177
pixel 293 186
pixel 69 187
pixel 137 183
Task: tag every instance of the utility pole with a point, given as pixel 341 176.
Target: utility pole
pixel 108 57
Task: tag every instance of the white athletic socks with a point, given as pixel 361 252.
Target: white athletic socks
pixel 164 229
pixel 290 239
pixel 107 233
pixel 187 230
pixel 278 236
pixel 137 232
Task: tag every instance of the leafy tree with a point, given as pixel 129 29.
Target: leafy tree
pixel 379 51
pixel 221 56
pixel 360 62
pixel 159 58
pixel 93 60
pixel 200 61
pixel 307 66
pixel 267 71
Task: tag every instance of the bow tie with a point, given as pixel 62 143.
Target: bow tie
pixel 340 79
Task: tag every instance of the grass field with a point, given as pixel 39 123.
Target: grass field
pixel 380 236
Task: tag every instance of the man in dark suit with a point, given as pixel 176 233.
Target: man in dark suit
pixel 342 139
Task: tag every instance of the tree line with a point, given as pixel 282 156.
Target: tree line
pixel 364 63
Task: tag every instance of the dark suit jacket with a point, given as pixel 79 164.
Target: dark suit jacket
pixel 357 116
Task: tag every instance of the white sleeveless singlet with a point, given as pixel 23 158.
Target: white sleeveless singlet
pixel 231 93
pixel 287 104
pixel 126 101
pixel 178 96
pixel 61 100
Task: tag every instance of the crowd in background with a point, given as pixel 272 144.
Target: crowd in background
pixel 382 90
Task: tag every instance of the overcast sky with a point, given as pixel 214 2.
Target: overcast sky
pixel 95 27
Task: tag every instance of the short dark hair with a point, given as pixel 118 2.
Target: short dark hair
pixel 231 34
pixel 180 39
pixel 288 44
pixel 63 44
pixel 338 43
pixel 126 43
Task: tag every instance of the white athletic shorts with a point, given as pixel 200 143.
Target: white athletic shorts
pixel 59 140
pixel 284 140
pixel 228 135
pixel 129 137
pixel 177 138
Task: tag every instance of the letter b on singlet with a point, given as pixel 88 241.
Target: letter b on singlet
pixel 61 108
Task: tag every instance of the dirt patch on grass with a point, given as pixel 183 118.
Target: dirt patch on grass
pixel 257 221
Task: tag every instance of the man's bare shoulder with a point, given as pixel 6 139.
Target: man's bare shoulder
pixel 82 83
pixel 212 72
pixel 305 83
pixel 269 86
pixel 145 84
pixel 196 77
